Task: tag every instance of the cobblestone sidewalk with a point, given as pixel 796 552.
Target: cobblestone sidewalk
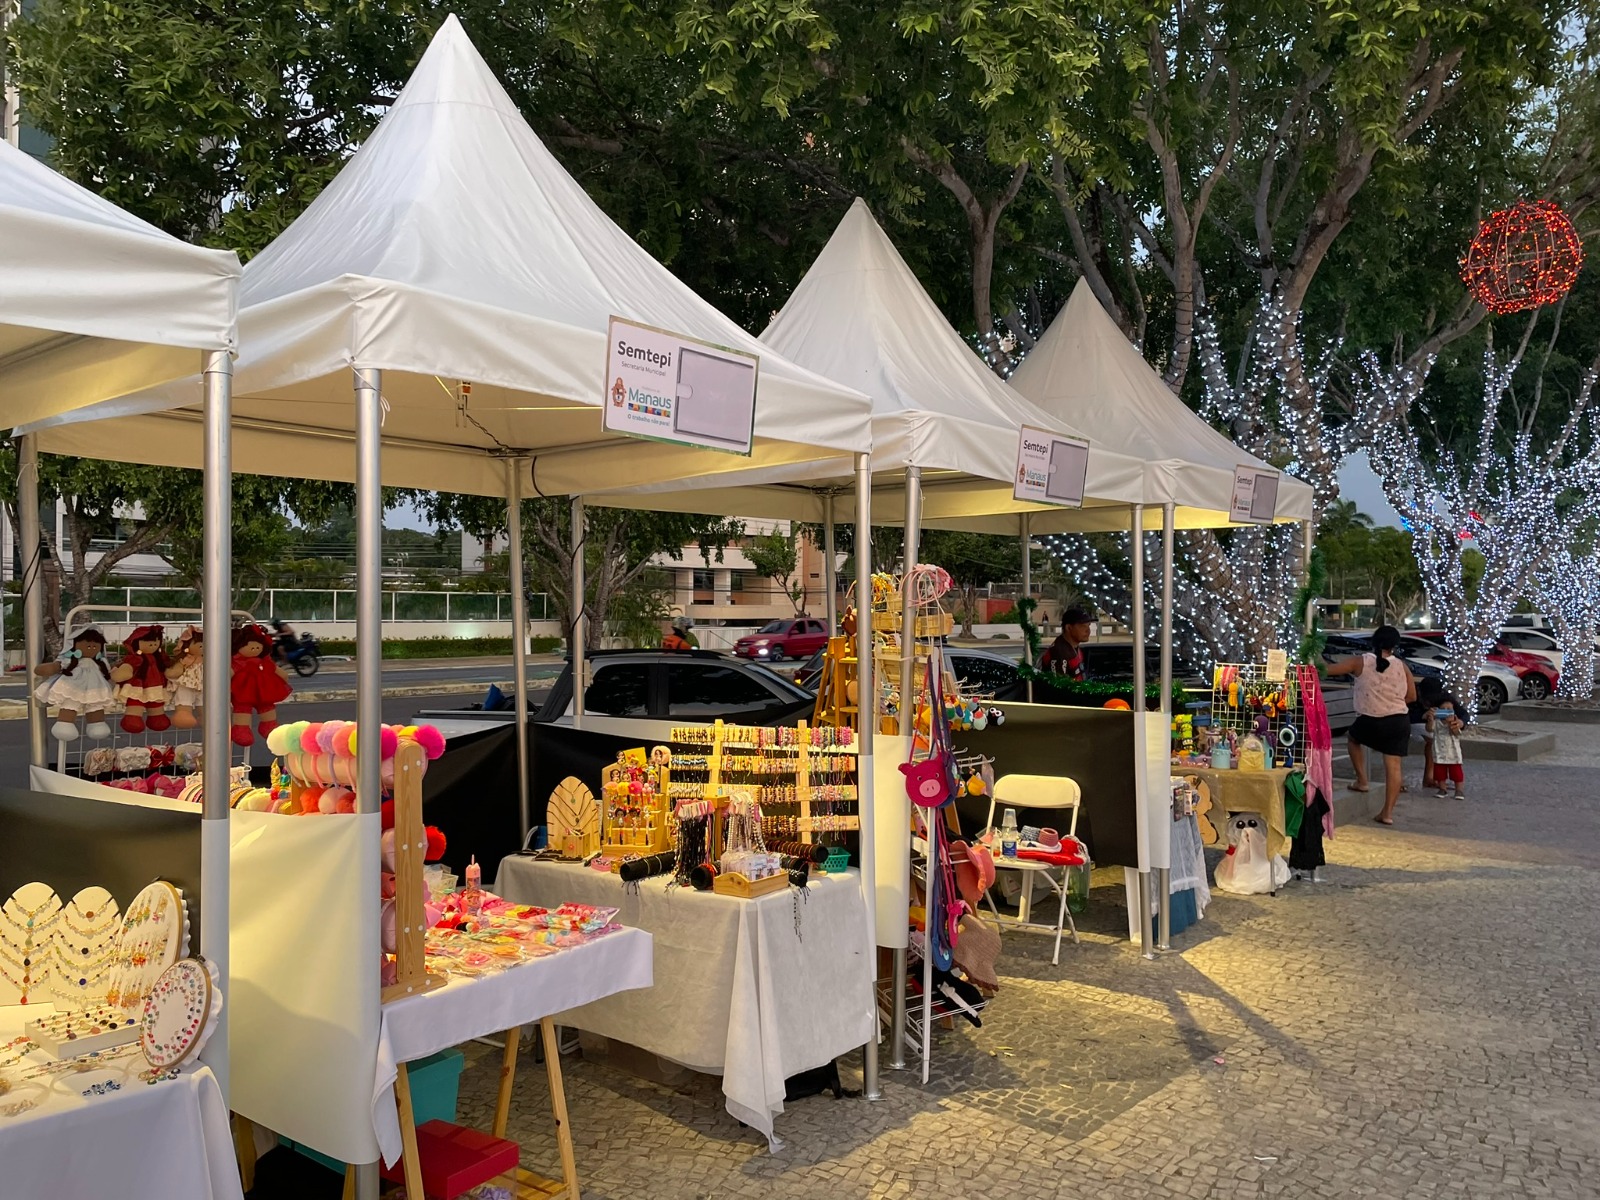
pixel 1424 1024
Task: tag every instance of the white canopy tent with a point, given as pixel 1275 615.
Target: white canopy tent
pixel 860 317
pixel 453 248
pixel 1084 370
pixel 463 282
pixel 93 302
pixel 945 432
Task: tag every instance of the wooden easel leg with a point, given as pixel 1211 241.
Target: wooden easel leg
pixel 244 1149
pixel 350 1181
pixel 558 1104
pixel 508 1077
pixel 408 1133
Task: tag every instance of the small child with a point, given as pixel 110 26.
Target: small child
pixel 1446 727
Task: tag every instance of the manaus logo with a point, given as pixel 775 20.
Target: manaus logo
pixel 619 393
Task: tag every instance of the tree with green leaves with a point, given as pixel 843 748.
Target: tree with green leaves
pixel 622 552
pixel 115 511
pixel 776 556
pixel 973 560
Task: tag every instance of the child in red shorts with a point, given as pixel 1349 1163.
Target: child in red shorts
pixel 1446 725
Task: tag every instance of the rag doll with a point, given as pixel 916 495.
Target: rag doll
pixel 258 684
pixel 187 678
pixel 78 681
pixel 141 679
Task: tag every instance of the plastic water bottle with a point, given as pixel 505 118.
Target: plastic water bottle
pixel 1008 834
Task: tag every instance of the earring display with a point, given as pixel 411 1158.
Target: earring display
pixel 180 1013
pixel 635 793
pixel 155 934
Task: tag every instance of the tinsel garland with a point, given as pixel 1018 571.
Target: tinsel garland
pixel 1088 690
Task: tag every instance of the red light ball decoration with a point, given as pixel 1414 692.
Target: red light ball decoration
pixel 1523 256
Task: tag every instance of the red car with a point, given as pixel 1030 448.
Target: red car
pixel 1539 676
pixel 792 637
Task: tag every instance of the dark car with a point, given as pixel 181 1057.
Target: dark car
pixel 791 637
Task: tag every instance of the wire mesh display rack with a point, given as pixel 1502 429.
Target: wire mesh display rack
pixel 1245 701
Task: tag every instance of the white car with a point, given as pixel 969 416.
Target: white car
pixel 1497 682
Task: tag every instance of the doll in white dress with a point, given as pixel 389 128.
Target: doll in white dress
pixel 186 677
pixel 78 681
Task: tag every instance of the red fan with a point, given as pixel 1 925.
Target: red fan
pixel 1524 256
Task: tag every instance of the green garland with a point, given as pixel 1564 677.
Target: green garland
pixel 1092 692
pixel 1314 639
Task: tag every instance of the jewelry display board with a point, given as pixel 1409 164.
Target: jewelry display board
pixel 1244 702
pixel 180 1013
pixel 154 935
pixel 803 778
pixel 84 948
pixel 29 918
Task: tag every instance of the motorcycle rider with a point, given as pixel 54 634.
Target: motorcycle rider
pixel 283 637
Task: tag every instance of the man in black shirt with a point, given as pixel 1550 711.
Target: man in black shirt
pixel 1064 656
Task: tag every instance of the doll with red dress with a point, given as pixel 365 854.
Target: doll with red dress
pixel 141 679
pixel 258 684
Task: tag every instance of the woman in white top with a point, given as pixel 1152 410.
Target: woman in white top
pixel 1384 687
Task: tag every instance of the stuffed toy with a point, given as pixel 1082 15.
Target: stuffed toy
pixel 78 681
pixel 258 684
pixel 187 678
pixel 1246 869
pixel 141 679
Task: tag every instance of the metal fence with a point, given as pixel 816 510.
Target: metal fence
pixel 309 605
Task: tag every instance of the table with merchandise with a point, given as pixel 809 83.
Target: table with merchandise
pixel 108 1125
pixel 501 968
pixel 755 990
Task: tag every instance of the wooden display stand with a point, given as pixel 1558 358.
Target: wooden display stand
pixel 410 847
pixel 654 836
pixel 735 884
pixel 573 816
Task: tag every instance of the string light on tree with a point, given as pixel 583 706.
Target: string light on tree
pixel 1522 257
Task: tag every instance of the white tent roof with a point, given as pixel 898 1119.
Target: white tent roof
pixel 1085 371
pixel 94 302
pixel 453 247
pixel 861 317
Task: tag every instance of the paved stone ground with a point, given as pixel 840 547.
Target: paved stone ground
pixel 1424 1024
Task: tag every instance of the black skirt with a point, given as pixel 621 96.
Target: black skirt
pixel 1386 735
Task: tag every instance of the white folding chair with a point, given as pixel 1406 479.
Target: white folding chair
pixel 1041 793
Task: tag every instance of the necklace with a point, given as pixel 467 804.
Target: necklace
pixel 101 920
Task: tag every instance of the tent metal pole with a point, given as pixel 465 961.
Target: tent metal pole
pixel 1141 800
pixel 866 720
pixel 216 620
pixel 369 626
pixel 830 564
pixel 1024 524
pixel 32 551
pixel 576 607
pixel 908 708
pixel 519 632
pixel 369 585
pixel 1168 538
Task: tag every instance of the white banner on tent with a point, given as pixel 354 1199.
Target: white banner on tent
pixel 1051 469
pixel 1255 496
pixel 671 388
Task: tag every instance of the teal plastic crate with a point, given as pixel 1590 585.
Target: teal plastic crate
pixel 838 860
pixel 435 1088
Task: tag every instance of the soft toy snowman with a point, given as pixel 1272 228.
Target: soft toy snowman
pixel 1246 868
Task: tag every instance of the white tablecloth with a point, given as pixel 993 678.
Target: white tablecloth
pixel 742 990
pixel 143 1142
pixel 464 1009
